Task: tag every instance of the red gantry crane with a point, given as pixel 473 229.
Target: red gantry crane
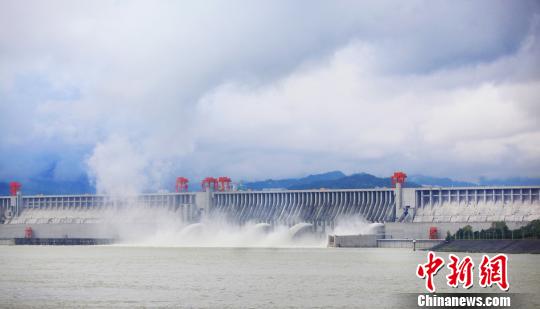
pixel 14 187
pixel 182 184
pixel 398 177
pixel 209 183
pixel 224 183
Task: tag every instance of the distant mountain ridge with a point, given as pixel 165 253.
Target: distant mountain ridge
pixel 517 181
pixel 338 180
pixel 329 180
pixel 354 181
pixel 442 182
pixel 294 182
pixel 447 182
pixel 80 185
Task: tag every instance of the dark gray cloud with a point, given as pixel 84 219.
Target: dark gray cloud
pixel 268 89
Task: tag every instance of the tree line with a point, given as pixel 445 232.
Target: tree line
pixel 498 230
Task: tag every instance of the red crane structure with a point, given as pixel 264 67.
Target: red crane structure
pixel 398 177
pixel 182 184
pixel 224 183
pixel 14 187
pixel 209 183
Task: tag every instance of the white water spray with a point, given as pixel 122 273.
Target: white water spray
pixel 120 167
pixel 215 231
pixel 356 225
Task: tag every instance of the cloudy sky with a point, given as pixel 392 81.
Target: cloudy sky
pixel 147 90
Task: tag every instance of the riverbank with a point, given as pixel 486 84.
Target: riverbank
pixel 490 246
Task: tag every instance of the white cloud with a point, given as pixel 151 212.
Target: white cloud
pixel 271 89
pixel 347 108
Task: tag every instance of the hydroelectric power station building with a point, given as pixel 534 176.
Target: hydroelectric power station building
pixel 407 213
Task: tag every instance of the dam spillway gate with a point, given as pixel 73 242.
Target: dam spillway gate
pixel 317 207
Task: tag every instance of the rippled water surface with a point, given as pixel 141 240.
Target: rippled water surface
pixel 114 276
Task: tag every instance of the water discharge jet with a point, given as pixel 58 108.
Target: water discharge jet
pixel 300 229
pixel 192 229
pixel 263 227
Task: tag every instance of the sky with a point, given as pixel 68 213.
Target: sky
pixel 134 93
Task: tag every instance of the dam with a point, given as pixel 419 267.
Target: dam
pixel 405 212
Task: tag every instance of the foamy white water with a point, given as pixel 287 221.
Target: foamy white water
pixel 155 226
pixel 216 231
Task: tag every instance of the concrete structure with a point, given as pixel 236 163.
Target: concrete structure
pixel 420 230
pixel 416 244
pixel 476 204
pixel 89 208
pixel 353 241
pixel 319 207
pixel 60 230
pixel 379 241
pixel 445 208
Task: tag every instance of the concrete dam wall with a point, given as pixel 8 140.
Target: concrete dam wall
pixel 86 209
pixel 318 207
pixel 314 206
pixel 483 204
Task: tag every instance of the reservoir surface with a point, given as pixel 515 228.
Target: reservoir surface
pixel 144 276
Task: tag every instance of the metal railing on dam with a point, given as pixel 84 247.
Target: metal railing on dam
pixel 470 204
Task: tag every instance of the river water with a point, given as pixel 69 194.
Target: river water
pixel 132 276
